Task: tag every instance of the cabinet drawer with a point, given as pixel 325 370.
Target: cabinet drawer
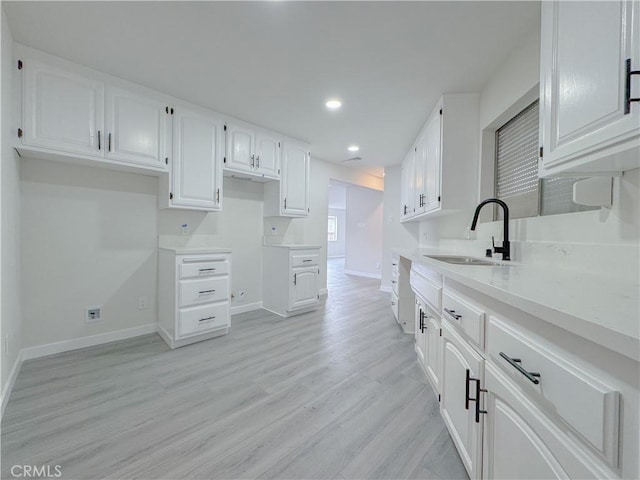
pixel 197 320
pixel 464 314
pixel 426 289
pixel 585 403
pixel 304 258
pixel 203 268
pixel 206 290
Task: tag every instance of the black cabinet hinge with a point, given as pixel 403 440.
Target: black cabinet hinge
pixel 20 133
pixel 440 111
pixel 170 196
pixel 541 152
pixel 19 64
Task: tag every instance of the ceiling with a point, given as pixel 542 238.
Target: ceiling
pixel 276 63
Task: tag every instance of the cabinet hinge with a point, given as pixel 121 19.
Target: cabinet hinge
pixel 19 64
pixel 170 196
pixel 440 111
pixel 541 152
pixel 20 133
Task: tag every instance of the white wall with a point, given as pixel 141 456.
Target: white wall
pixel 337 249
pixel 239 227
pixel 395 234
pixel 89 237
pixel 10 326
pixel 363 250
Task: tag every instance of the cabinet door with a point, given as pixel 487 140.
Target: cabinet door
pixel 584 50
pixel 295 179
pixel 267 160
pixel 408 185
pixel 433 156
pixel 303 287
pixel 433 351
pixel 421 332
pixel 136 129
pixel 240 147
pixel 419 185
pixel 62 111
pixel 457 358
pixel 520 441
pixel 196 175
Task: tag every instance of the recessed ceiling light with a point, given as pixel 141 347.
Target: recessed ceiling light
pixel 354 148
pixel 333 104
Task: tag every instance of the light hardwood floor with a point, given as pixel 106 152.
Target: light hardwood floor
pixel 335 393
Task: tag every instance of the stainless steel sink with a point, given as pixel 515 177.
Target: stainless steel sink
pixel 462 260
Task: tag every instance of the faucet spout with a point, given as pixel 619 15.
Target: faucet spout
pixel 506 245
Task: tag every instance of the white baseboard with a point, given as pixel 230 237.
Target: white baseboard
pixel 362 274
pixel 323 292
pixel 8 387
pixel 83 342
pixel 384 288
pixel 249 307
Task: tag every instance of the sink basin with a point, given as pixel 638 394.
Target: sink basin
pixel 462 260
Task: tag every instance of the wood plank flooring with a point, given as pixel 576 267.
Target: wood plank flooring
pixel 334 393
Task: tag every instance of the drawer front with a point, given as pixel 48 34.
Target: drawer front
pixel 394 304
pixel 195 320
pixel 199 269
pixel 426 289
pixel 206 290
pixel 464 314
pixel 304 258
pixel 585 403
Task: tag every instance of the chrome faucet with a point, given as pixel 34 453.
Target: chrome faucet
pixel 505 249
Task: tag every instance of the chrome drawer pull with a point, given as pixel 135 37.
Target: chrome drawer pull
pixel 515 363
pixel 453 314
pixel 205 291
pixel 206 319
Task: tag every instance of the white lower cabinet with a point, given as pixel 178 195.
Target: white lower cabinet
pixel 290 279
pixel 193 296
pixel 462 369
pixel 520 399
pixel 520 441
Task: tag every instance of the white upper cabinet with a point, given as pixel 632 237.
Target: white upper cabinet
pixel 440 172
pixel 251 150
pixel 588 124
pixel 62 110
pixel 290 196
pixel 196 172
pixel 136 128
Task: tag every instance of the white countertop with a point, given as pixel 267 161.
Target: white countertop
pixel 294 247
pixel 195 250
pixel 602 310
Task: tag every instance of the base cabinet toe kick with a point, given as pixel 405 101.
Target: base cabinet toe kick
pixel 523 398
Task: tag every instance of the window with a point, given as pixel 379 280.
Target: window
pixel 332 229
pixel 517 180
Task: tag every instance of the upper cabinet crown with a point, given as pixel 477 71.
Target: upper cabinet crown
pixel 70 114
pixel 251 151
pixel 589 108
pixel 439 173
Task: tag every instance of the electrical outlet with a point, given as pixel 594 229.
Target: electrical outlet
pixel 184 229
pixel 93 315
pixel 143 302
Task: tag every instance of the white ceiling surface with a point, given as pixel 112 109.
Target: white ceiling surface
pixel 276 63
